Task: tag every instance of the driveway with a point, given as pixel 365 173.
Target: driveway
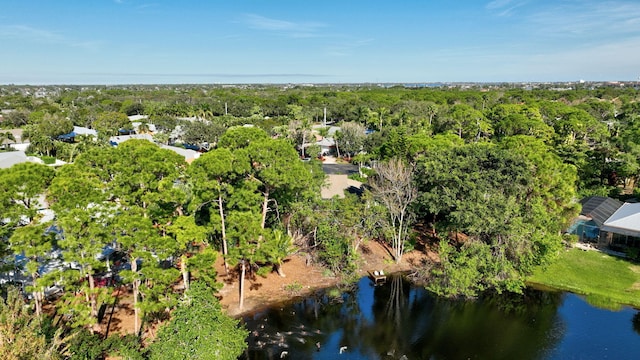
pixel 337 178
pixel 340 169
pixel 336 185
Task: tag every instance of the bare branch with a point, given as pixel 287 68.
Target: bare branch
pixel 393 186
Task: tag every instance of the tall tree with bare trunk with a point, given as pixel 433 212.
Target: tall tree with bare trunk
pixel 393 186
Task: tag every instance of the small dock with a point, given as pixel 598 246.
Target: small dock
pixel 378 277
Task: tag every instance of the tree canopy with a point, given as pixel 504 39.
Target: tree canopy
pixel 487 174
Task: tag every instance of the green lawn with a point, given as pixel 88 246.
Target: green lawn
pixel 605 280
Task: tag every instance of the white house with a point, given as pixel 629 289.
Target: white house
pixel 609 222
pixel 327 145
pixel 79 130
pixel 623 227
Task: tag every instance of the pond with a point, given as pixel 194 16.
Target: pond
pixel 399 320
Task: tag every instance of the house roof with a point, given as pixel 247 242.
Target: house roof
pixel 326 142
pixel 626 220
pixel 79 130
pixel 10 158
pixel 189 155
pixel 138 117
pixel 121 138
pixel 599 208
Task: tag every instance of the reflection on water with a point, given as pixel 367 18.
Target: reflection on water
pixel 400 321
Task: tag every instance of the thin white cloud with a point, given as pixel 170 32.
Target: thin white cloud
pixel 32 34
pixel 346 48
pixel 497 4
pixel 590 18
pixel 505 7
pixel 615 60
pixel 593 62
pixel 147 6
pixel 284 27
pixel 341 45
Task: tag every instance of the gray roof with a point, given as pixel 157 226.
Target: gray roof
pixel 10 158
pixel 599 208
pixel 79 130
pixel 187 153
pixel 326 142
pixel 120 138
pixel 626 220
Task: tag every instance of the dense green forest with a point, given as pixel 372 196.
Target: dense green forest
pixel 489 177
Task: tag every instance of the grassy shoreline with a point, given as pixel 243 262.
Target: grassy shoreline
pixel 606 281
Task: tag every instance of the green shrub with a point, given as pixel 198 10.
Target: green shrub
pixel 602 190
pixel 23 334
pixel 632 253
pixel 367 172
pixel 357 177
pixel 128 347
pixel 294 288
pixel 570 239
pixel 48 160
pixel 335 251
pixel 199 329
pixel 263 271
pixel 86 346
pixel 412 240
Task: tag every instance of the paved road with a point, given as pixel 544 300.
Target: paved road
pixel 339 169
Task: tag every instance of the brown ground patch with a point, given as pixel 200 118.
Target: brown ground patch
pixel 118 317
pixel 261 292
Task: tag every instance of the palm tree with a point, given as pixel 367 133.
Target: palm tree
pixel 42 145
pixel 6 139
pixel 361 114
pixel 143 128
pixel 276 250
pixel 382 112
pixel 323 131
pixel 305 129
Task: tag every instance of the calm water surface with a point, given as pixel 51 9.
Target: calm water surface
pixel 401 321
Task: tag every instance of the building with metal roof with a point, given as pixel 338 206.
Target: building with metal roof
pixel 609 222
pixel 599 208
pixel 623 226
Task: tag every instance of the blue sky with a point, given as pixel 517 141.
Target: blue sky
pixel 305 41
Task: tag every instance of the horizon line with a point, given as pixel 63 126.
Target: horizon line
pixel 329 83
